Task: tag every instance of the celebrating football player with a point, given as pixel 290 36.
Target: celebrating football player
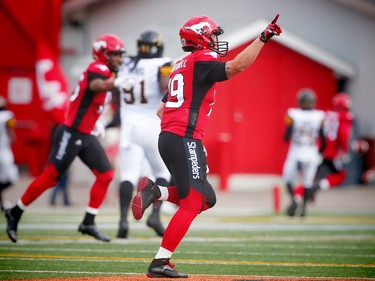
pixel 184 113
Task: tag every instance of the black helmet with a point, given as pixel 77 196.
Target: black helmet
pixel 306 99
pixel 3 103
pixel 150 45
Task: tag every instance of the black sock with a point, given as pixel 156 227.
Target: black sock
pixel 290 190
pixel 16 212
pixel 4 185
pixel 89 219
pixel 125 197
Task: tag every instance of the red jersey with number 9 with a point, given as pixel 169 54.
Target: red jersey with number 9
pixel 191 94
pixel 86 106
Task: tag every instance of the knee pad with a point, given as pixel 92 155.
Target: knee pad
pixel 197 201
pixel 161 181
pixel 105 178
pixel 210 196
pixel 126 189
pixel 50 175
pixel 51 171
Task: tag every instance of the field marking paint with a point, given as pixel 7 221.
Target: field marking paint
pixel 206 275
pixel 48 239
pixel 221 262
pixel 69 272
pixel 247 253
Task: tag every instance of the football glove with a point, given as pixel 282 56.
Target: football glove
pixel 124 82
pixel 99 130
pixel 272 29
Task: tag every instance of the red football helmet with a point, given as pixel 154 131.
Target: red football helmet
pixel 342 102
pixel 105 44
pixel 195 34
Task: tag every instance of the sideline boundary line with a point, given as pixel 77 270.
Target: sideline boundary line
pixel 221 262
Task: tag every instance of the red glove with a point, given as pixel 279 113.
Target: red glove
pixel 272 29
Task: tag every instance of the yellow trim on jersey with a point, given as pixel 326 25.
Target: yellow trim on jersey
pixel 166 70
pixel 288 120
pixel 11 123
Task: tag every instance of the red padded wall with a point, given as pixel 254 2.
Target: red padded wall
pixel 247 124
pixel 30 33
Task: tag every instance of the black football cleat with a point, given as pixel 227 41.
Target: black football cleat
pixel 154 222
pixel 92 230
pixel 12 224
pixel 147 193
pixel 291 211
pixel 123 230
pixel 163 268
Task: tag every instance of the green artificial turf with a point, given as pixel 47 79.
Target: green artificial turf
pixel 321 245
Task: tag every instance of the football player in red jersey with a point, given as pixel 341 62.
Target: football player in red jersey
pixel 184 113
pixel 77 137
pixel 337 131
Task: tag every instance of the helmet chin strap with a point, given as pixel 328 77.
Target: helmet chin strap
pixel 113 68
pixel 108 63
pixel 106 56
pixel 197 46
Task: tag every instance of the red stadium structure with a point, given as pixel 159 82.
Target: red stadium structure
pixel 244 135
pixel 30 75
pixel 247 124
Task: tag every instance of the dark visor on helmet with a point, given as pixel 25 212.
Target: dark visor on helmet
pixel 218 31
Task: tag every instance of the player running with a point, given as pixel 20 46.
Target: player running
pixel 76 137
pixel 140 127
pixel 305 132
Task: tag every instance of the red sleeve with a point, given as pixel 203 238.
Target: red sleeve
pixel 99 69
pixel 344 133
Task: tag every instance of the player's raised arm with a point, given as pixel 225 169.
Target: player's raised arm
pixel 244 59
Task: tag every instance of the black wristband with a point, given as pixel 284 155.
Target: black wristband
pixel 263 37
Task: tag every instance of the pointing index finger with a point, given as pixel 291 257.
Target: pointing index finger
pixel 275 19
